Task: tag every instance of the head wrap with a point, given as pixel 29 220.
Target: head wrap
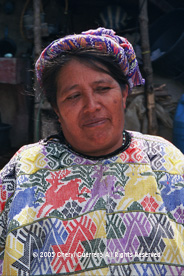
pixel 101 39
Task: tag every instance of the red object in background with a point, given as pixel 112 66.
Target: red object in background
pixel 12 70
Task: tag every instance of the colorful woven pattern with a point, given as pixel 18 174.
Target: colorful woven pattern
pixel 101 39
pixel 124 215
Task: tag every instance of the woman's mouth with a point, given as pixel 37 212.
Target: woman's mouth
pixel 94 122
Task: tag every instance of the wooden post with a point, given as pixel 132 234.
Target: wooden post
pixel 147 67
pixel 37 51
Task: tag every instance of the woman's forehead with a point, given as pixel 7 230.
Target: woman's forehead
pixel 75 71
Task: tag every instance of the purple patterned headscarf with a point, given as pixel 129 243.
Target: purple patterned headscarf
pixel 101 39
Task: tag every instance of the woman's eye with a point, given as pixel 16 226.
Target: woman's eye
pixel 73 96
pixel 103 88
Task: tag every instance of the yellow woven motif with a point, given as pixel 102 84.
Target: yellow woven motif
pixel 32 160
pixel 26 216
pixel 14 251
pixel 173 162
pixel 99 220
pixel 138 186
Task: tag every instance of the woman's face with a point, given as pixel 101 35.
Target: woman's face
pixel 90 107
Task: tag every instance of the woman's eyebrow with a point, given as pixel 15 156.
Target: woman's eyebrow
pixel 102 81
pixel 69 88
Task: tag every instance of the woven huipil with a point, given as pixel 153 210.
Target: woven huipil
pixel 65 214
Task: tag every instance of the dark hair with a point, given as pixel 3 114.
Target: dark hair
pixel 91 57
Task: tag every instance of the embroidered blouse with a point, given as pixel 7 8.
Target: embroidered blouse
pixel 66 214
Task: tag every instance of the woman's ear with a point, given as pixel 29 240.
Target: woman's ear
pixel 56 110
pixel 57 113
pixel 124 95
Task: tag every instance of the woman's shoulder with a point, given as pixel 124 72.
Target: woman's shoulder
pixel 149 138
pixel 158 150
pixel 152 140
pixel 40 147
pixel 156 146
pixel 32 157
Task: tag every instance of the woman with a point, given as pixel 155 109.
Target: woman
pixel 96 199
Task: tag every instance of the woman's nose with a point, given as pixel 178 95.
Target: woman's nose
pixel 91 103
